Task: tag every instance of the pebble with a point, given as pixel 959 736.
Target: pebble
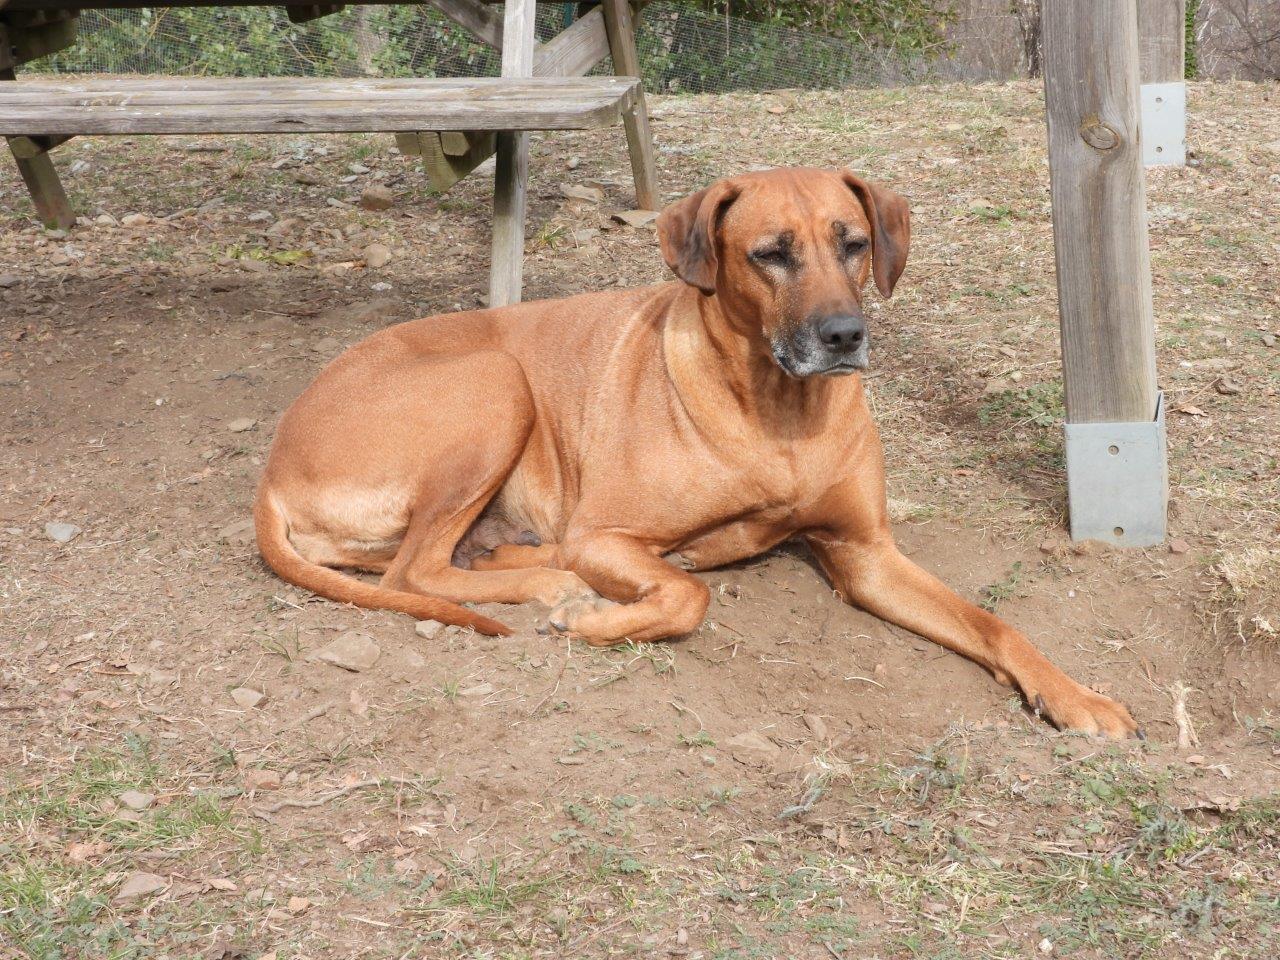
pixel 574 163
pixel 377 256
pixel 247 697
pixel 351 651
pixel 61 532
pixel 255 779
pixel 636 218
pixel 137 800
pixel 1179 546
pixel 261 216
pixel 753 749
pixel 241 424
pixel 326 345
pixel 577 192
pixel 817 726
pixel 357 168
pixel 238 531
pixel 376 197
pixel 1268 340
pixel 428 629
pixel 140 885
pixel 8 280
pixel 1226 386
pixel 135 220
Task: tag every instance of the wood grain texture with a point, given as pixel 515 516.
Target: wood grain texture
pixel 1161 40
pixel 635 118
pixel 291 105
pixel 1099 210
pixel 511 179
pixel 36 168
pixel 477 18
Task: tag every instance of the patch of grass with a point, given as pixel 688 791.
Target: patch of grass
pixel 994 594
pixel 1040 404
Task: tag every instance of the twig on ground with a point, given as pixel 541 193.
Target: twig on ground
pixel 1187 736
pixel 332 794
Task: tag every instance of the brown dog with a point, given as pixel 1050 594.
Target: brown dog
pixel 568 445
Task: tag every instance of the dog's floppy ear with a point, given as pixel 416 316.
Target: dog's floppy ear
pixel 687 234
pixel 890 229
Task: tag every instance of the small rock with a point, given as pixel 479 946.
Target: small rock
pixel 1268 340
pixel 261 216
pixel 573 163
pixel 585 236
pixel 1050 547
pixel 577 192
pixel 352 651
pixel 636 218
pixel 135 220
pixel 376 197
pixel 106 220
pixel 248 697
pixel 428 629
pixel 376 256
pixel 995 386
pixel 140 885
pixel 306 178
pixel 753 749
pixel 817 726
pixel 255 779
pixel 357 168
pixel 241 531
pixel 61 532
pixel 327 345
pixel 381 286
pixel 241 424
pixel 297 905
pixel 1179 546
pixel 137 800
pixel 1226 386
pixel 8 280
pixel 479 690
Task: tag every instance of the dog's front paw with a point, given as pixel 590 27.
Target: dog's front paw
pixel 1077 708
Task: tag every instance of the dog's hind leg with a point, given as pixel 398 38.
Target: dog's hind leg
pixel 470 467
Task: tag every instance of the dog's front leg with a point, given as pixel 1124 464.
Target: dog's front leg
pixel 872 574
pixel 654 600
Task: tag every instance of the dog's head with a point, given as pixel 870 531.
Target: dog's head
pixel 787 252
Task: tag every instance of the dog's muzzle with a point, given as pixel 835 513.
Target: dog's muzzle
pixel 833 346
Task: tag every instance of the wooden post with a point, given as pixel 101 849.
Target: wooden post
pixel 1104 268
pixel 511 180
pixel 1162 36
pixel 1161 49
pixel 620 26
pixel 38 173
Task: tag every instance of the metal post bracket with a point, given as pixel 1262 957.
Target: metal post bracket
pixel 1118 481
pixel 1164 124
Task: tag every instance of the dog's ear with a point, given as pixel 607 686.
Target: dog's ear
pixel 687 234
pixel 890 229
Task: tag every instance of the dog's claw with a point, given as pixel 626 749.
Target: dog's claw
pixel 1140 734
pixel 542 628
pixel 1041 709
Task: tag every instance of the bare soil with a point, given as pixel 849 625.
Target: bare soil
pixel 794 780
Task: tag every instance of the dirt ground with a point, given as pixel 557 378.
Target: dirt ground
pixel 796 779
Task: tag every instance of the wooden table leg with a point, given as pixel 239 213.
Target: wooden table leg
pixel 50 200
pixel 511 180
pixel 626 63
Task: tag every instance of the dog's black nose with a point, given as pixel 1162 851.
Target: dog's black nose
pixel 842 332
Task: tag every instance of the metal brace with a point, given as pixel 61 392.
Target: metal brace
pixel 1118 481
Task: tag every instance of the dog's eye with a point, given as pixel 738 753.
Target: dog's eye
pixel 772 256
pixel 854 247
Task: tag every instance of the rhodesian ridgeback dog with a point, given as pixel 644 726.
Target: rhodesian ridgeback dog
pixel 589 453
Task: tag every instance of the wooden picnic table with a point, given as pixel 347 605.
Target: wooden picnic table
pixel 452 124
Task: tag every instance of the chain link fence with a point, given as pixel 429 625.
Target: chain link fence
pixel 681 49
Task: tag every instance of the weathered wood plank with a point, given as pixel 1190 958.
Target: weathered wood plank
pixel 511 178
pixel 444 169
pixel 635 118
pixel 38 173
pixel 1161 39
pixel 475 17
pixel 104 107
pixel 1099 210
pixel 24 148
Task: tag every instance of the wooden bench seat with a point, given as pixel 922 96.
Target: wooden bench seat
pixel 98 106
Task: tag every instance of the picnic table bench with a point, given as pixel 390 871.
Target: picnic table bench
pixel 452 124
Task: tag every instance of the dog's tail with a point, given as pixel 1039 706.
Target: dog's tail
pixel 273 542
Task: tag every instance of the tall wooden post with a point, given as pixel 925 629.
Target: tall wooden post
pixel 1162 53
pixel 1116 471
pixel 511 179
